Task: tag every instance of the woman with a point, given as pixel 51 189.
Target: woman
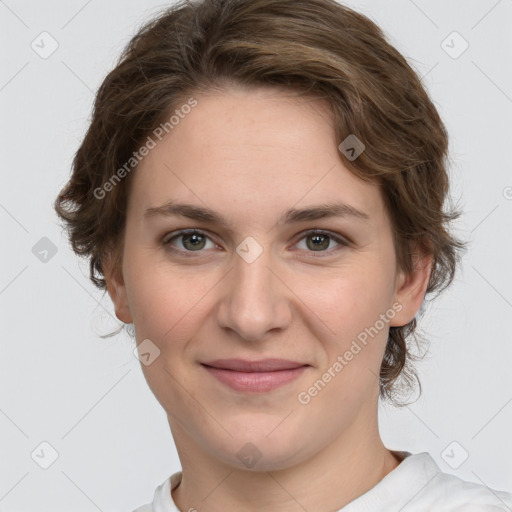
pixel 261 191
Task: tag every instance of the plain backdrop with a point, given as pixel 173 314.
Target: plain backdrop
pixel 86 397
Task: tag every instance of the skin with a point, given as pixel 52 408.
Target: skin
pixel 250 156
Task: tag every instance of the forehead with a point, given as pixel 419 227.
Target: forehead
pixel 254 149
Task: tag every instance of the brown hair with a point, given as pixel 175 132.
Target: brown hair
pixel 318 48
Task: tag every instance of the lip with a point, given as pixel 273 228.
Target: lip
pixel 255 376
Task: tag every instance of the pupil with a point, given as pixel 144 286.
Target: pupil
pixel 197 241
pixel 319 241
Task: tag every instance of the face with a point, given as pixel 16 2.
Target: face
pixel 265 270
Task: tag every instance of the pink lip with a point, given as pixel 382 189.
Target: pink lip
pixel 264 375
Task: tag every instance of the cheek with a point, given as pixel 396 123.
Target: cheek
pixel 167 307
pixel 350 370
pixel 349 299
pixel 162 297
pixel 351 305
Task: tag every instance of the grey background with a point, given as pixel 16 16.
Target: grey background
pixel 87 398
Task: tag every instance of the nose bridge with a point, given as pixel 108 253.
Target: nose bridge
pixel 255 301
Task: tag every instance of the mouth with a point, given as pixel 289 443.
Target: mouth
pixel 255 376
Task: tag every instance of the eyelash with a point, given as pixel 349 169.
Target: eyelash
pixel 319 254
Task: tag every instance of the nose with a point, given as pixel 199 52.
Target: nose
pixel 255 299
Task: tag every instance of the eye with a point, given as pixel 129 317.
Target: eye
pixel 190 240
pixel 321 241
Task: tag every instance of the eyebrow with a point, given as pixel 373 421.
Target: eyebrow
pixel 291 216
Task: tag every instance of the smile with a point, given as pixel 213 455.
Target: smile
pixel 254 376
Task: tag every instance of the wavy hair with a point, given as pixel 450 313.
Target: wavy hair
pixel 317 48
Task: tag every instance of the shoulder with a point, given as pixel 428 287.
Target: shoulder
pixel 446 492
pixel 162 499
pixel 465 496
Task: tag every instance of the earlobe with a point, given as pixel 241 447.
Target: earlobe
pixel 117 290
pixel 411 289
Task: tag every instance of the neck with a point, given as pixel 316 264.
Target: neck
pixel 344 470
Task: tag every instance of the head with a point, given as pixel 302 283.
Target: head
pixel 248 122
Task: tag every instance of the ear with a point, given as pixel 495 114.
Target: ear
pixel 116 288
pixel 411 288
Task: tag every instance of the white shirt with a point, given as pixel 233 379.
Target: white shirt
pixel 415 485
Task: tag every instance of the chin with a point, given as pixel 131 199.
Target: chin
pixel 263 447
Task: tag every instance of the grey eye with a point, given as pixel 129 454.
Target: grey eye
pixel 190 241
pixel 318 242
